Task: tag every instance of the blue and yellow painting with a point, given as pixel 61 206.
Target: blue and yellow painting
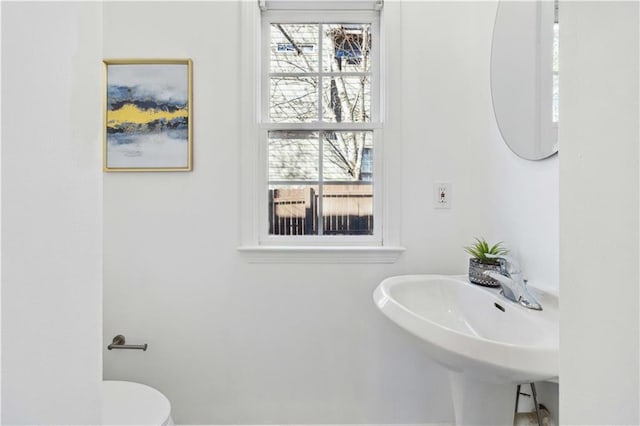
pixel 147 117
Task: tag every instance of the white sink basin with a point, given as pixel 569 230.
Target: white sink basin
pixel 488 343
pixel 464 329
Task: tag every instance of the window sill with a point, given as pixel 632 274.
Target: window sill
pixel 321 254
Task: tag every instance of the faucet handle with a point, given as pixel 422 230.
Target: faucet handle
pixel 508 263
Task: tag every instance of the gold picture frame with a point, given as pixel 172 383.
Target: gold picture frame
pixel 147 111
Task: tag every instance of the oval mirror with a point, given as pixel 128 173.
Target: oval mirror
pixel 524 76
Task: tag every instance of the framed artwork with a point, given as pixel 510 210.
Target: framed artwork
pixel 147 115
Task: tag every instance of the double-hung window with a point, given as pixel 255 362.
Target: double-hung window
pixel 320 127
pixel 312 132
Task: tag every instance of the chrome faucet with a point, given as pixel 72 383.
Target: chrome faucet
pixel 514 286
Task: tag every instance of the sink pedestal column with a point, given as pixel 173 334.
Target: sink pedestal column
pixel 481 403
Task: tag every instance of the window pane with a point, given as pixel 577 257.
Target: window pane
pixel 294 48
pixel 293 155
pixel 347 156
pixel 346 99
pixel 346 47
pixel 347 209
pixel 293 210
pixel 293 100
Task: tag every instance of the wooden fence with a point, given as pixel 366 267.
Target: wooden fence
pixel 347 210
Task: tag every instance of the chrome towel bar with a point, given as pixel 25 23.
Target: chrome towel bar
pixel 119 343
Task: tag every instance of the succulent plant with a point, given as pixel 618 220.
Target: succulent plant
pixel 481 248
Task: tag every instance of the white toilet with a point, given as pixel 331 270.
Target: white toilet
pixel 129 403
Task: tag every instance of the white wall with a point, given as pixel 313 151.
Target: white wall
pixel 52 213
pixel 599 213
pixel 232 342
pixel 523 211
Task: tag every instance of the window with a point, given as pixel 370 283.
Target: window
pixel 311 148
pixel 320 126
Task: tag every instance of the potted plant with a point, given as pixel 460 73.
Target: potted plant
pixel 479 262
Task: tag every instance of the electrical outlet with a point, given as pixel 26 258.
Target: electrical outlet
pixel 442 195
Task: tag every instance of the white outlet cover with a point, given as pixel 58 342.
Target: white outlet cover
pixel 442 195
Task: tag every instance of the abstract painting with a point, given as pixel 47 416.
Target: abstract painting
pixel 147 115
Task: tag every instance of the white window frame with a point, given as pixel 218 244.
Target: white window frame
pixel 256 244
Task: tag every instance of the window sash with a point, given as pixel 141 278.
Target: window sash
pixel 374 125
pixel 364 240
pixel 308 17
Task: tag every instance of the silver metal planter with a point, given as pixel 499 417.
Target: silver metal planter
pixel 476 272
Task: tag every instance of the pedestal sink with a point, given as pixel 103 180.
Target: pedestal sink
pixel 488 343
